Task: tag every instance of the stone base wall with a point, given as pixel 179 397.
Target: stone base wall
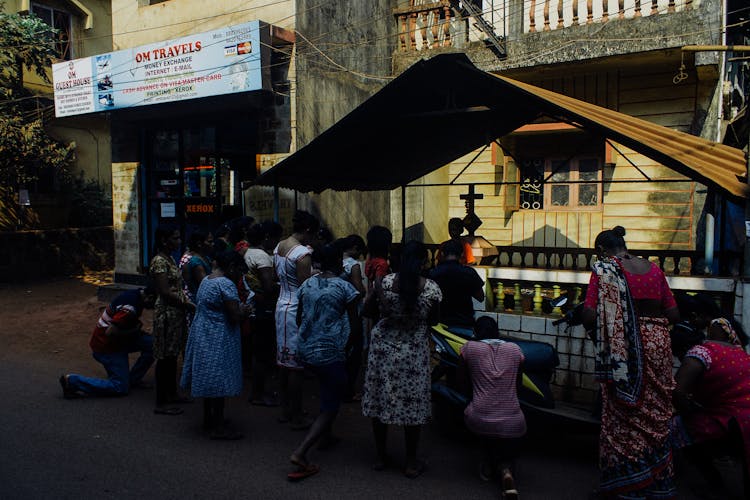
pixel 28 255
pixel 574 378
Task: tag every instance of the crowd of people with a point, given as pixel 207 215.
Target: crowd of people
pixel 244 301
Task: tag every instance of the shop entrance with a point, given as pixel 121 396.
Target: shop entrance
pixel 190 182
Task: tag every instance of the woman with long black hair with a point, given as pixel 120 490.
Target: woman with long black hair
pixel 397 382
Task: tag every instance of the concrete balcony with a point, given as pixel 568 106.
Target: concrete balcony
pixel 549 32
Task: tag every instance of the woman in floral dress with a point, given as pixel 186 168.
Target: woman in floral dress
pixel 629 305
pixel 169 329
pixel 397 381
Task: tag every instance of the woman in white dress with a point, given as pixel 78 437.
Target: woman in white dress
pixel 293 264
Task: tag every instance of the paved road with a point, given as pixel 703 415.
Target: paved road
pixel 117 448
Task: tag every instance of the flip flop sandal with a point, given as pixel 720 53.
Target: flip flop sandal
pixel 510 495
pixel 168 411
pixel 509 488
pixel 303 473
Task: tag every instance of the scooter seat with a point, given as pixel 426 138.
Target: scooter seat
pixel 461 331
pixel 539 356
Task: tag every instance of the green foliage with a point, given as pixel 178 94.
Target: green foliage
pixel 26 44
pixel 90 203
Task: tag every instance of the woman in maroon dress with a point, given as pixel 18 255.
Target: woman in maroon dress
pixel 629 305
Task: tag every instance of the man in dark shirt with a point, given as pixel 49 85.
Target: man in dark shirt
pixel 117 333
pixel 459 284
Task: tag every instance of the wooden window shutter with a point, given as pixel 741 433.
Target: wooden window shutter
pixel 511 178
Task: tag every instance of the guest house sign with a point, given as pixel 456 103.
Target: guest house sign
pixel 223 61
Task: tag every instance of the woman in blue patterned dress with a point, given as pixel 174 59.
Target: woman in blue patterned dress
pixel 213 362
pixel 326 315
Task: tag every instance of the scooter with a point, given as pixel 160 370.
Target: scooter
pixel 534 395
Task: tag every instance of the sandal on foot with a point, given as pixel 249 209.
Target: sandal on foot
pixel 414 471
pixel 509 487
pixel 303 473
pixel 168 411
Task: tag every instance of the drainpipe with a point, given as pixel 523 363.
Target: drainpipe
pixel 709 247
pixel 710 221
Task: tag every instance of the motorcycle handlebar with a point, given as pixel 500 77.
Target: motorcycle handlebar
pixel 572 317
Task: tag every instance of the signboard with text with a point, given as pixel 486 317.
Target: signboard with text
pixel 223 61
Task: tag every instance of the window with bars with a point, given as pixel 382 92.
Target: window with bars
pixel 560 184
pixel 61 21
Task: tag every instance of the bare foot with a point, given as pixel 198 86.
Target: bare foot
pixel 298 460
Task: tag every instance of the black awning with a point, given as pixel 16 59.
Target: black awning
pixel 443 108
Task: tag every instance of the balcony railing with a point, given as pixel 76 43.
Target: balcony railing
pixel 530 275
pixel 429 24
pixel 547 15
pixel 672 262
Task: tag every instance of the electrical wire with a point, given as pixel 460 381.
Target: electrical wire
pixel 336 66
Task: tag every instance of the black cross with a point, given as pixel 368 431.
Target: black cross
pixel 471 222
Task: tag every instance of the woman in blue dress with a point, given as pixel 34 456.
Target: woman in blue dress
pixel 213 364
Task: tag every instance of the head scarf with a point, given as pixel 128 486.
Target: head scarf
pixel 727 327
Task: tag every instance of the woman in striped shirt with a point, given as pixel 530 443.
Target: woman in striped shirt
pixel 494 413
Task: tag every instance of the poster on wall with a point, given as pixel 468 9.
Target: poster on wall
pixel 223 61
pixel 259 205
pixel 72 80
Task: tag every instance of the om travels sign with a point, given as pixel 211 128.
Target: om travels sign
pixel 223 61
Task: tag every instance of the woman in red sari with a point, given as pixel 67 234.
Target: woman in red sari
pixel 713 395
pixel 629 306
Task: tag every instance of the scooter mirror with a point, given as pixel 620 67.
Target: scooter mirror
pixel 559 301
